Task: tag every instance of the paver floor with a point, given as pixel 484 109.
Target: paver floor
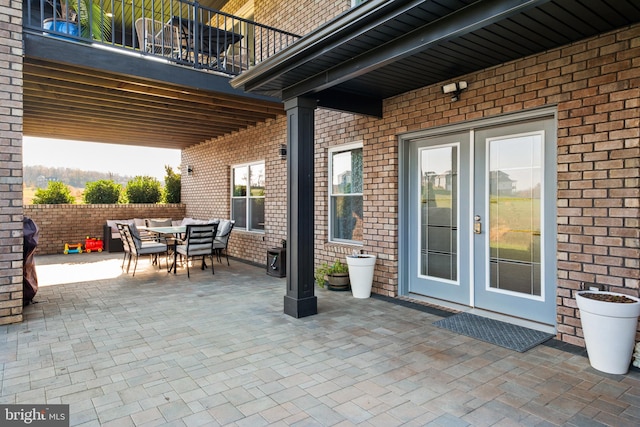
pixel 163 350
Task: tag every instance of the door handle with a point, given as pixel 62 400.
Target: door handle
pixel 477 224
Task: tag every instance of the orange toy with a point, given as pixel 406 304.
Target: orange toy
pixel 72 248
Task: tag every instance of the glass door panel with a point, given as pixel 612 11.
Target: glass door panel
pixel 514 213
pixel 438 214
pixel 514 207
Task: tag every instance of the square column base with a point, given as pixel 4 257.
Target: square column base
pixel 300 307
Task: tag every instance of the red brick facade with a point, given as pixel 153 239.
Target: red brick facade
pixel 594 85
pixel 212 162
pixel 10 162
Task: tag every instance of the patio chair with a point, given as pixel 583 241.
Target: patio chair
pixel 236 59
pixel 198 242
pixel 125 244
pixel 135 247
pixel 222 239
pixel 158 37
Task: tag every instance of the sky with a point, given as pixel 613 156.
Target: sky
pixel 89 156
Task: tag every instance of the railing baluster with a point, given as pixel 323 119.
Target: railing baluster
pixel 248 43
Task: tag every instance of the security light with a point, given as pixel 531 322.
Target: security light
pixel 455 89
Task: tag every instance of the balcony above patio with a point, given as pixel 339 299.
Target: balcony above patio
pixel 142 72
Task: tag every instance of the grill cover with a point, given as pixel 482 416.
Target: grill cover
pixel 30 279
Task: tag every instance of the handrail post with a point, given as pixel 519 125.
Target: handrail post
pixel 196 34
pixel 207 44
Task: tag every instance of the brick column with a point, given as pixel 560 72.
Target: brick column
pixel 10 162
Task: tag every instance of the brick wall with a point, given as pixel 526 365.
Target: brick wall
pixel 595 86
pixel 379 220
pixel 212 160
pixel 60 224
pixel 10 162
pixel 207 193
pixel 298 17
pixel 598 170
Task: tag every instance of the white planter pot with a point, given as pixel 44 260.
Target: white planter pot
pixel 609 330
pixel 361 274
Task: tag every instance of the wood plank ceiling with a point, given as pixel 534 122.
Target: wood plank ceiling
pixel 66 101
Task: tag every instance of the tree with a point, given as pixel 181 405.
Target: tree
pixel 56 193
pixel 143 189
pixel 102 191
pixel 172 185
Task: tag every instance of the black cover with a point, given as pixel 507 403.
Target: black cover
pixel 30 279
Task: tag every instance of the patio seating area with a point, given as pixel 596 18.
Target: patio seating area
pixel 161 349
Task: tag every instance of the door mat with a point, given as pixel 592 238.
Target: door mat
pixel 504 334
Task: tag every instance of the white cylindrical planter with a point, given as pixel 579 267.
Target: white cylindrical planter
pixel 609 330
pixel 361 274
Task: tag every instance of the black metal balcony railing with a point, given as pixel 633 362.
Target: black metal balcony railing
pixel 179 31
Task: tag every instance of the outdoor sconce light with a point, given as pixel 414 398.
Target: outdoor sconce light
pixel 454 89
pixel 189 170
pixel 283 151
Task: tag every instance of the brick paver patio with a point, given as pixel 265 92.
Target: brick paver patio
pixel 158 349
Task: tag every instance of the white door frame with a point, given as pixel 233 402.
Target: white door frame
pixel 404 142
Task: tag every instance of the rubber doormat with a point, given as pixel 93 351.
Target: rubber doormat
pixel 504 334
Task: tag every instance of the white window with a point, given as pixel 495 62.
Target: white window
pixel 345 193
pixel 355 3
pixel 247 196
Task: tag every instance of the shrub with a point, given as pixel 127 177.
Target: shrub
pixel 143 189
pixel 172 186
pixel 102 191
pixel 56 193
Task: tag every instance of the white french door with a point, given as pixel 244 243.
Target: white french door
pixel 439 208
pixel 480 211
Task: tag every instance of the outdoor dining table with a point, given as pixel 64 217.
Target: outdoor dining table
pixel 202 39
pixel 169 232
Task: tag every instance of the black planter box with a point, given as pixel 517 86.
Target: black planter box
pixel 277 262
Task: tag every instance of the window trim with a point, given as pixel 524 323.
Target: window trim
pixel 248 196
pixel 339 149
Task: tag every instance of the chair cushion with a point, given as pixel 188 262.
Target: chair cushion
pixel 152 248
pixel 224 227
pixel 194 250
pixel 159 222
pixel 129 222
pixel 112 224
pixel 140 222
pixel 187 220
pixel 134 230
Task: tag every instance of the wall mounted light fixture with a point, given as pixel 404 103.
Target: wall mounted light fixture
pixel 282 151
pixel 455 89
pixel 189 170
